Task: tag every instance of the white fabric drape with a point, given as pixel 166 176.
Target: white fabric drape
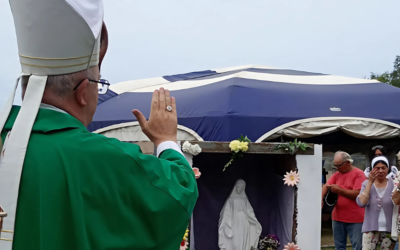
pixel 132 132
pixel 355 127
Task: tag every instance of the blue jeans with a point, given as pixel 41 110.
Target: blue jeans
pixel 340 231
pixel 397 246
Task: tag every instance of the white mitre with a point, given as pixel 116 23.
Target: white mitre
pixel 55 37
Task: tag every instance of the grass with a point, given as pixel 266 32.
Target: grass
pixel 330 248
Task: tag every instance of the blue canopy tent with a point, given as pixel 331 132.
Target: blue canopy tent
pixel 260 102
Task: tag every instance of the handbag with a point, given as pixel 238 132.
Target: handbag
pixel 330 200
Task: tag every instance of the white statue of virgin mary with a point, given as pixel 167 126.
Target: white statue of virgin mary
pixel 238 226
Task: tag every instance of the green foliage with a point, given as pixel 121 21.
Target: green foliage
pixel 384 77
pixel 292 147
pixel 244 139
pixel 390 77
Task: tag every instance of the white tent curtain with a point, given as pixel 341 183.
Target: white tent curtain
pixel 131 132
pixel 356 127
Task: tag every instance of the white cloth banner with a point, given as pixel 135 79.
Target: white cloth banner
pixel 356 127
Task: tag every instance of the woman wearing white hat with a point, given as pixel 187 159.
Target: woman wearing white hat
pixel 376 197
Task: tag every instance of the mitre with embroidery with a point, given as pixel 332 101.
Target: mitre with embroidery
pixel 55 37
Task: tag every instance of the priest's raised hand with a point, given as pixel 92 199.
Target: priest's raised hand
pixel 163 122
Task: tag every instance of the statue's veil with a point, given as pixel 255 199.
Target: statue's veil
pixel 235 192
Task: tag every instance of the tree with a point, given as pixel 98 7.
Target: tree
pixel 391 78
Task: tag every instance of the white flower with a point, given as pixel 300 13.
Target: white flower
pixel 291 178
pixel 191 149
pixel 386 242
pixel 186 146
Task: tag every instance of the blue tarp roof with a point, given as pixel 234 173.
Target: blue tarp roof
pixel 220 105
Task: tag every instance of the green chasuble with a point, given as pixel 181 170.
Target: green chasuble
pixel 83 191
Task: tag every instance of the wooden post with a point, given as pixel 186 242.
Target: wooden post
pixel 254 148
pixel 2 216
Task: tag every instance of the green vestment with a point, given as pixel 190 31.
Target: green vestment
pixel 83 191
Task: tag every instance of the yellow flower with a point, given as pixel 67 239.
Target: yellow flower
pixel 244 146
pixel 235 146
pixel 186 236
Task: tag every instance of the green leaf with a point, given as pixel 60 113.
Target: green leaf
pixel 246 139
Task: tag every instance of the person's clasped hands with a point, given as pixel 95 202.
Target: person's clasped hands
pixel 334 188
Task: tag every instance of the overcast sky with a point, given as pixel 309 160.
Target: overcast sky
pixel 154 38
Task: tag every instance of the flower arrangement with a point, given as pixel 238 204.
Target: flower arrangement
pixel 191 149
pixel 292 147
pixel 271 242
pixel 184 242
pixel 291 246
pixel 291 178
pixel 238 147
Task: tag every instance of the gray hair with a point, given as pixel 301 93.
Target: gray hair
pixel 61 85
pixel 345 156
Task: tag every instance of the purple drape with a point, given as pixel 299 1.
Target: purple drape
pixel 273 203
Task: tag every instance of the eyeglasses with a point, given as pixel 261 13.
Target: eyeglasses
pixel 338 166
pixel 102 85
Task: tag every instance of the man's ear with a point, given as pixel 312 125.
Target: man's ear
pixel 103 43
pixel 81 92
